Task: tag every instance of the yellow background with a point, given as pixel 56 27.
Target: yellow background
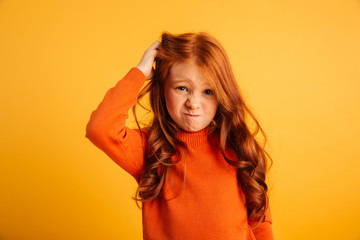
pixel 298 63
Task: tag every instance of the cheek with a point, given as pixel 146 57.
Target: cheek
pixel 212 107
pixel 172 102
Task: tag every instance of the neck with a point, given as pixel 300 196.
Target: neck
pixel 193 139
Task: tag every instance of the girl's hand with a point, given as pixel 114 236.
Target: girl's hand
pixel 146 63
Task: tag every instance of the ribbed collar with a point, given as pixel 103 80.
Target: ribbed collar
pixel 193 139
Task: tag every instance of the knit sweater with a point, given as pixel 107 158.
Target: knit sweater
pixel 200 199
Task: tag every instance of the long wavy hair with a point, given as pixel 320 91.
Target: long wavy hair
pixel 229 125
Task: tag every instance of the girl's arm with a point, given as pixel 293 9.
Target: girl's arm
pixel 106 127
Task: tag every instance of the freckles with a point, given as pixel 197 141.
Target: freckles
pixel 175 99
pixel 171 100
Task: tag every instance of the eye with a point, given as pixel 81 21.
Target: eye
pixel 181 88
pixel 209 92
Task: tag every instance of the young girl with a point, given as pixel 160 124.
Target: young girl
pixel 200 171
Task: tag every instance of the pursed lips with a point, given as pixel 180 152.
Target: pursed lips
pixel 192 115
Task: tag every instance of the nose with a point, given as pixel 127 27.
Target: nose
pixel 192 102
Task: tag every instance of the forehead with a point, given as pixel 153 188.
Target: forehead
pixel 186 71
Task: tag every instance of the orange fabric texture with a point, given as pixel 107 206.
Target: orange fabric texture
pixel 200 199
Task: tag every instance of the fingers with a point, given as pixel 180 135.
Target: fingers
pixel 147 60
pixel 152 50
pixel 155 45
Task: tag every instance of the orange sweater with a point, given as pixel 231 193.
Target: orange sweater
pixel 208 205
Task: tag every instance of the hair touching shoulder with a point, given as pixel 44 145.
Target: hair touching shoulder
pixel 229 122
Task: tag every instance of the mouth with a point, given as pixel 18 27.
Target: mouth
pixel 191 115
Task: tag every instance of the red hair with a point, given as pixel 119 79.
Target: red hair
pixel 229 125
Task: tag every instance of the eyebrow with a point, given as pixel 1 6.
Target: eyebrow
pixel 180 80
pixel 183 80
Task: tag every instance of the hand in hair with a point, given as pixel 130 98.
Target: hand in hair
pixel 146 63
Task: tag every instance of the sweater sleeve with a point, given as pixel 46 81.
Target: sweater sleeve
pixel 106 128
pixel 264 230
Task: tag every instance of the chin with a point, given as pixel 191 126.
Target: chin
pixel 190 129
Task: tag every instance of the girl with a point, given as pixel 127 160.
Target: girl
pixel 200 171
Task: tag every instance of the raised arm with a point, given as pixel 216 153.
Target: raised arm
pixel 106 128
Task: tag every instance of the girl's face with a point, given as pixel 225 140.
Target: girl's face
pixel 190 100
